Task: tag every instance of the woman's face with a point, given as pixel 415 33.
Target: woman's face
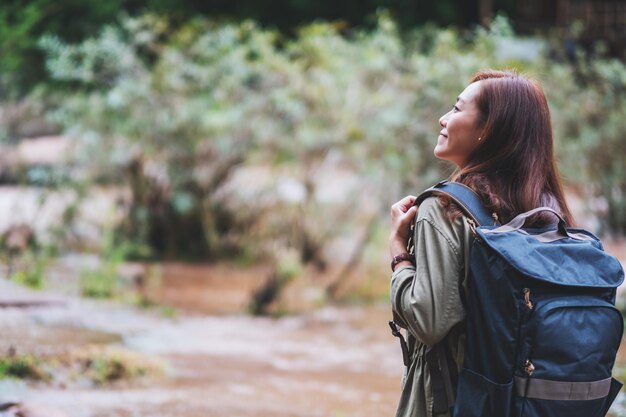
pixel 461 131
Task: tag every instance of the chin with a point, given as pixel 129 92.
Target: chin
pixel 443 157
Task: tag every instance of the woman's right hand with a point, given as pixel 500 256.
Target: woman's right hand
pixel 402 215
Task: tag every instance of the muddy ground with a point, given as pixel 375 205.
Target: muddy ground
pixel 334 361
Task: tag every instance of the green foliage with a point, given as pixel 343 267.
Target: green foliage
pixel 169 127
pixel 589 121
pixel 168 312
pixel 172 111
pixel 115 366
pixel 29 267
pixel 31 273
pixel 99 283
pixel 23 22
pixel 102 282
pixel 105 365
pixel 21 366
pixel 93 364
pixel 17 24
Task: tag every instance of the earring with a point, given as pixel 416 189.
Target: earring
pixel 479 139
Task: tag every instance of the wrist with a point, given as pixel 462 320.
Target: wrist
pixel 402 265
pixel 396 247
pixel 402 258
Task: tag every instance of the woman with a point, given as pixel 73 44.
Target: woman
pixel 499 136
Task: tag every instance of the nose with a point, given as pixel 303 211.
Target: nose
pixel 443 121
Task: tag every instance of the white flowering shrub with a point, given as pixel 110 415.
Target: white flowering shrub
pixel 173 113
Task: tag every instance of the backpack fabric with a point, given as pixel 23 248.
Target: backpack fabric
pixel 542 328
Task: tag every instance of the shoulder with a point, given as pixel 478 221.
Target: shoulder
pixel 431 212
pixel 430 208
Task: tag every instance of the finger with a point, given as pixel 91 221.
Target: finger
pixel 408 201
pixel 409 215
pixel 403 220
pixel 404 204
pixel 412 212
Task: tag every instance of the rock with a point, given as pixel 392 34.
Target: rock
pixel 18 237
pixel 47 150
pixel 27 410
pixel 29 302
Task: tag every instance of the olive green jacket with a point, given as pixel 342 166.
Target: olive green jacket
pixel 426 300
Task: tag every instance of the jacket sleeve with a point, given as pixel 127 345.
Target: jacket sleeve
pixel 425 299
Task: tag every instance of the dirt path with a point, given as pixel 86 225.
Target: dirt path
pixel 333 362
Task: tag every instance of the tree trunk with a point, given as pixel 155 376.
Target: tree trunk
pixel 485 11
pixel 342 277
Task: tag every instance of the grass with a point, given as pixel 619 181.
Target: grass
pixel 98 283
pixel 22 367
pixel 94 365
pixel 30 269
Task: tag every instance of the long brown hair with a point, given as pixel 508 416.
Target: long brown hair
pixel 514 169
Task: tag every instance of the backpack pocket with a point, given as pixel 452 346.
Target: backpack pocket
pixel 568 351
pixel 478 396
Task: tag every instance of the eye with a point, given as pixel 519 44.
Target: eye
pixel 455 108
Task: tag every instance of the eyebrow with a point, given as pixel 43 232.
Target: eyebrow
pixel 460 99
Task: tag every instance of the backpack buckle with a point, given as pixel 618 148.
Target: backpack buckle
pixel 405 350
pixel 472 225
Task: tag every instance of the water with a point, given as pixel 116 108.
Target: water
pixel 333 361
pixel 330 362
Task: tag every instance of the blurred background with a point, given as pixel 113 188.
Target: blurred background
pixel 194 195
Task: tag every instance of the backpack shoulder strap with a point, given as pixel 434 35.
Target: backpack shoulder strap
pixel 436 357
pixel 465 197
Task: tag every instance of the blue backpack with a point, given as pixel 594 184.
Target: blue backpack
pixel 542 327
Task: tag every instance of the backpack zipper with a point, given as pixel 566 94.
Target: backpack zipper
pixel 529 304
pixel 529 368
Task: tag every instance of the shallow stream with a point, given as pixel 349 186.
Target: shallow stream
pixel 336 361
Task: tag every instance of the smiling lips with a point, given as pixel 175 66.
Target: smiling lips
pixel 445 135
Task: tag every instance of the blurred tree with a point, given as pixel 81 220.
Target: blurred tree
pixel 17 42
pixel 165 112
pixel 23 22
pixel 172 111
